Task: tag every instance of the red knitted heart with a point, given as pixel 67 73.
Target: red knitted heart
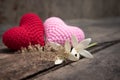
pixel 31 30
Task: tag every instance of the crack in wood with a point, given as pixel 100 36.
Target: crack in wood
pixel 95 49
pixel 103 45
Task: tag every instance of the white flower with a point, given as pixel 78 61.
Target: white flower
pixel 59 61
pixel 82 46
pixel 78 49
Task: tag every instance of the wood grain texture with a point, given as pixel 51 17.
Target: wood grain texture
pixel 11 11
pixel 104 66
pixel 18 66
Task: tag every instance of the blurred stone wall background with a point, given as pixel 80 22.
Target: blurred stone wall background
pixel 12 10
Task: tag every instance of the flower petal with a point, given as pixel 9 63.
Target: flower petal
pixel 86 54
pixel 59 61
pixel 67 46
pixel 83 44
pixel 74 56
pixel 74 41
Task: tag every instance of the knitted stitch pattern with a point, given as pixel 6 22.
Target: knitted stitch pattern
pixel 31 30
pixel 57 31
pixel 34 25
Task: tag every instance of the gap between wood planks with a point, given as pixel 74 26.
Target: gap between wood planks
pixel 95 49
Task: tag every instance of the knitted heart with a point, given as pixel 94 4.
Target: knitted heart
pixel 31 30
pixel 34 25
pixel 57 31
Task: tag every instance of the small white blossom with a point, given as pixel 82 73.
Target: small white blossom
pixel 59 61
pixel 77 50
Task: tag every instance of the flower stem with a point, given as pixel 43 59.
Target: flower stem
pixel 93 44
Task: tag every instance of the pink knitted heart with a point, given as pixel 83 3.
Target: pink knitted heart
pixel 57 31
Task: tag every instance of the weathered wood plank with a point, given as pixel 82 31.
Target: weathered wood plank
pixel 99 30
pixel 92 28
pixel 104 66
pixel 11 11
pixel 15 66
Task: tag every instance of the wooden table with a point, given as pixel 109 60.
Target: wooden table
pixel 104 66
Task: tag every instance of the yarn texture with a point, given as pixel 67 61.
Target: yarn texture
pixel 57 31
pixel 30 31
